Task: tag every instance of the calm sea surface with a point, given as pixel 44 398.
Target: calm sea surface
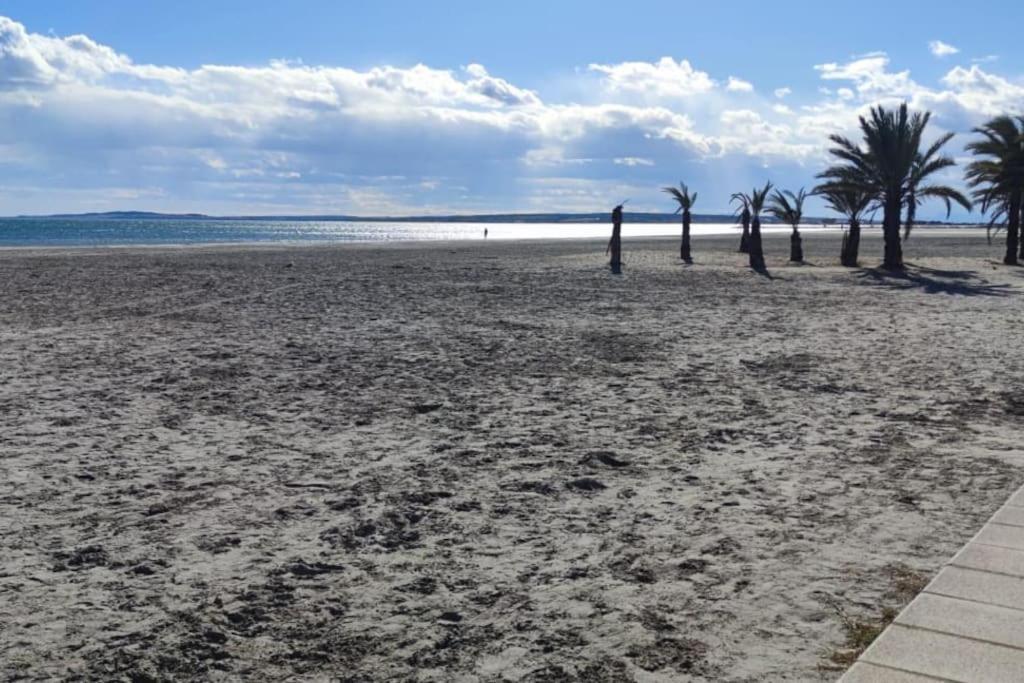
pixel 45 232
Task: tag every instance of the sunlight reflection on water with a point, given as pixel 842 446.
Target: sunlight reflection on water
pixel 110 232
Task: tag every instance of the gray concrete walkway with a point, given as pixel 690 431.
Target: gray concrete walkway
pixel 968 623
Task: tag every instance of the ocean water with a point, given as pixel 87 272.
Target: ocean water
pixel 78 232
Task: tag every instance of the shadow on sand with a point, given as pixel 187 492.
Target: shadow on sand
pixel 932 281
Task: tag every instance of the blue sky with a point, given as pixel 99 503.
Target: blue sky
pixel 410 107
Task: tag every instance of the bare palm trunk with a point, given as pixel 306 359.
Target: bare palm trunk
pixel 684 247
pixel 615 246
pixel 893 259
pixel 796 246
pixel 1013 230
pixel 851 245
pixel 756 250
pixel 745 237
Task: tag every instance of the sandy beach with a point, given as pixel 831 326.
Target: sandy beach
pixel 490 461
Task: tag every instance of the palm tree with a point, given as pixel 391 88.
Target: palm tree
pixel 925 165
pixel 998 179
pixel 743 213
pixel 890 168
pixel 789 208
pixel 851 203
pixel 754 203
pixel 686 201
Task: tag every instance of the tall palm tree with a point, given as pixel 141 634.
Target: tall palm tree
pixel 884 167
pixel 789 208
pixel 851 203
pixel 755 204
pixel 998 177
pixel 686 201
pixel 743 213
pixel 918 191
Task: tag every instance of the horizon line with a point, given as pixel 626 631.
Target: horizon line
pixel 509 217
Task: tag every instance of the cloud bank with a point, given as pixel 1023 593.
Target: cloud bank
pixel 84 127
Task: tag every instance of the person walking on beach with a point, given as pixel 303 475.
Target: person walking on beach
pixel 615 244
pixel 485 233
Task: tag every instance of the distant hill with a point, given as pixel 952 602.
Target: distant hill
pixel 126 215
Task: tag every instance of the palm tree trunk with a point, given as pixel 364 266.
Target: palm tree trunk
pixel 684 248
pixel 893 258
pixel 616 247
pixel 745 237
pixel 1020 222
pixel 756 250
pixel 851 245
pixel 796 246
pixel 911 216
pixel 1013 230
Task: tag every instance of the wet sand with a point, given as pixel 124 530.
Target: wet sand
pixel 494 461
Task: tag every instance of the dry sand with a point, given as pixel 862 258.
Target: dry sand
pixel 488 461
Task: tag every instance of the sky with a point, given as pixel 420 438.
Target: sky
pixel 390 108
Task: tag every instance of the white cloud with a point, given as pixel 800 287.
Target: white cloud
pixel 739 85
pixel 871 77
pixel 978 91
pixel 633 161
pixel 941 49
pixel 664 78
pixel 21 64
pixel 783 93
pixel 747 132
pixel 969 95
pixel 498 89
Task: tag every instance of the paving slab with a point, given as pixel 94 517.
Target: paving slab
pixel 945 656
pixel 1001 535
pixel 1010 514
pixel 862 672
pixel 980 586
pixel 990 558
pixel 990 623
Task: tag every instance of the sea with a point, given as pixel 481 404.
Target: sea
pixel 112 232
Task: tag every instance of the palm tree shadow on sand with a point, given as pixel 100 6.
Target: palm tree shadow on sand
pixel 933 281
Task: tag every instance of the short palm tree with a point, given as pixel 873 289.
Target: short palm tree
pixel 743 213
pixel 890 167
pixel 686 201
pixel 998 177
pixel 851 203
pixel 789 208
pixel 755 203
